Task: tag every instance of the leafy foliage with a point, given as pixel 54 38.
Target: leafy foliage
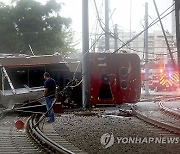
pixel 28 22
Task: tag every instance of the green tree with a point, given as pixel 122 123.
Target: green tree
pixel 8 39
pixel 28 22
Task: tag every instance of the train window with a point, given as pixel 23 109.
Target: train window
pixel 123 71
pixel 18 76
pixel 35 77
pixel 25 76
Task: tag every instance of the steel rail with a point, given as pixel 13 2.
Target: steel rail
pixel 156 122
pixel 160 97
pixel 42 139
pixel 171 112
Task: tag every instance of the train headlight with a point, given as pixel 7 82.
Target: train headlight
pixel 123 71
pixel 124 84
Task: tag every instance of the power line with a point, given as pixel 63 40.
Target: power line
pixel 86 53
pixel 153 23
pixel 96 21
pixel 127 43
pixel 151 53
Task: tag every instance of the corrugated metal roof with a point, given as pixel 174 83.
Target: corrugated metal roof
pixel 11 61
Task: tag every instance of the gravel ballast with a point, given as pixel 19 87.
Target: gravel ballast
pixel 85 132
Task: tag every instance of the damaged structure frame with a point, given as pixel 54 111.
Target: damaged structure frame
pixel 21 77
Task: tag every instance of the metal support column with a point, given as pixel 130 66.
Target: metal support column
pixel 177 14
pixel 106 25
pixel 116 37
pixel 85 51
pixel 130 24
pixel 146 51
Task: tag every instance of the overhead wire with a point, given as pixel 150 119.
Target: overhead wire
pixel 86 53
pixel 96 22
pixel 139 34
pixel 166 31
pixel 127 43
pixel 124 44
pixel 100 21
pixel 153 23
pixel 77 84
pixel 151 53
pixel 69 84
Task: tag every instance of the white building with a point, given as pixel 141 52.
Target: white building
pixel 157 46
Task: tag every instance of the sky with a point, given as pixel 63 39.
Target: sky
pixel 121 15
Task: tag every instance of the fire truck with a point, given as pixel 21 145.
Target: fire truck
pixel 164 79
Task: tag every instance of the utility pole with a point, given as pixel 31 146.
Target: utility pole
pixel 146 52
pixel 85 51
pixel 106 25
pixel 116 37
pixel 130 18
pixel 177 14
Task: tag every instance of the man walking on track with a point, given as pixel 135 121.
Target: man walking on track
pixel 49 93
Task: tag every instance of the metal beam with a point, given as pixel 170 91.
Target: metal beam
pixel 9 80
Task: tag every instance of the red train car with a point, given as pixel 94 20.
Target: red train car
pixel 114 78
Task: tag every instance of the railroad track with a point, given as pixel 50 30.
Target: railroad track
pixel 169 111
pixel 40 139
pixel 45 139
pixel 48 139
pixel 159 115
pixel 159 98
pixel 13 140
